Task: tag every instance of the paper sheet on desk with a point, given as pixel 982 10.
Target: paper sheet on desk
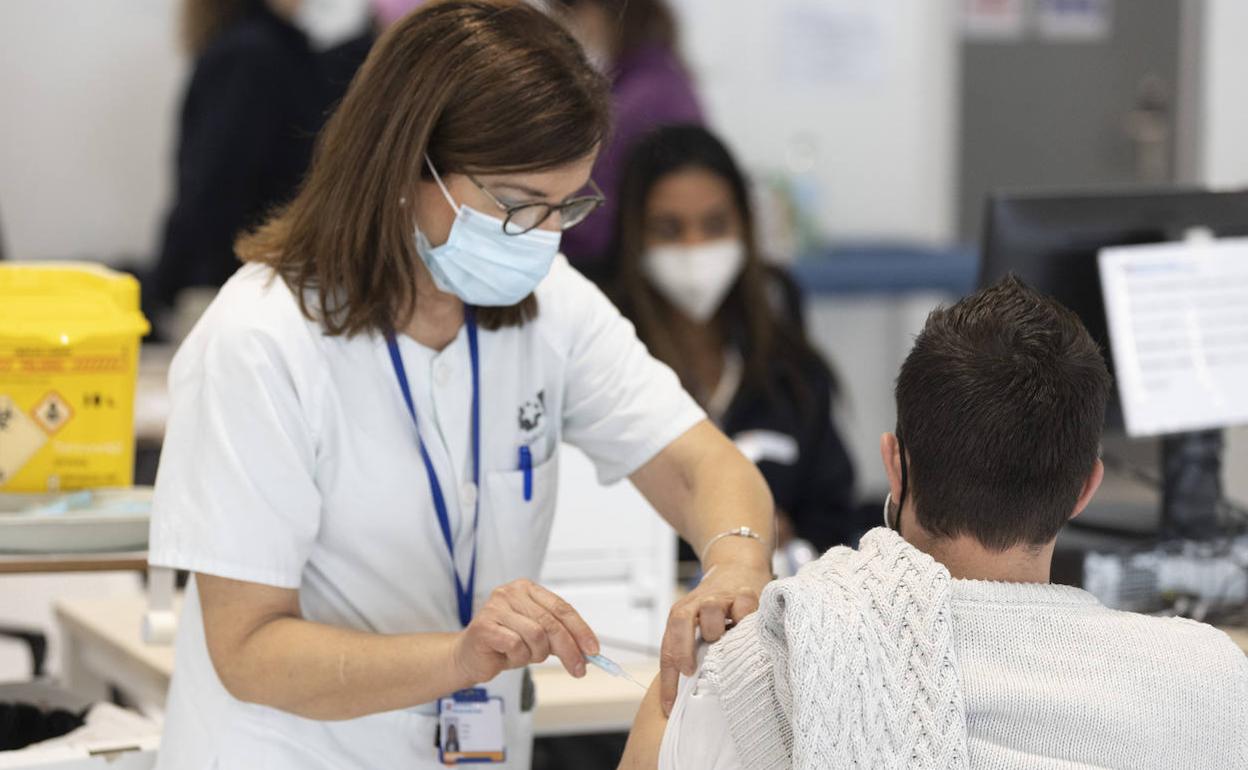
pixel 113 739
pixel 107 728
pixel 1178 321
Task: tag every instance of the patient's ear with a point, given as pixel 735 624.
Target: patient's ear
pixel 890 455
pixel 1090 485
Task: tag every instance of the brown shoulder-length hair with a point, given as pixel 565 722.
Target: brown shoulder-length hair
pixel 482 86
pixel 203 20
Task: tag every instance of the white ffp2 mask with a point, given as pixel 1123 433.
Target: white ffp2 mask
pixel 695 279
pixel 328 23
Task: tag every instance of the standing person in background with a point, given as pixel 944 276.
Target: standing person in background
pixel 257 97
pixel 635 43
pixel 689 275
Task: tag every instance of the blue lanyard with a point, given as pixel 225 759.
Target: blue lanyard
pixel 463 594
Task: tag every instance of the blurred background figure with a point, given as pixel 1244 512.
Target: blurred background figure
pixel 388 12
pixel 689 274
pixel 265 75
pixel 636 43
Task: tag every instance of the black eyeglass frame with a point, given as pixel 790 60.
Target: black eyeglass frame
pixel 592 202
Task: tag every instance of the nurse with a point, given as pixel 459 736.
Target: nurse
pixel 360 463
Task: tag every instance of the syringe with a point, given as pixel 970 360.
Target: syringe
pixel 612 668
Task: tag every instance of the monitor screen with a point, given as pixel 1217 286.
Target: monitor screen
pixel 1051 240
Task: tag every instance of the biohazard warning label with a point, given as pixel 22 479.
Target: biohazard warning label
pixel 20 438
pixel 52 412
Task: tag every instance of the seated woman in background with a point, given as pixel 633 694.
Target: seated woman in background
pixel 689 275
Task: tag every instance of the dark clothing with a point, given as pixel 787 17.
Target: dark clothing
pixel 257 97
pixel 339 65
pixel 649 88
pixel 813 485
pixel 816 490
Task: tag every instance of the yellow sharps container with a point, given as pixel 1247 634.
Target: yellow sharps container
pixel 69 354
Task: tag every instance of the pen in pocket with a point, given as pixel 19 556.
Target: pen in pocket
pixel 526 467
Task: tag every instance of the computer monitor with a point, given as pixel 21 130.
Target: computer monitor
pixel 1051 240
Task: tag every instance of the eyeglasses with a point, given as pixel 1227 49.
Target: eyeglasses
pixel 523 217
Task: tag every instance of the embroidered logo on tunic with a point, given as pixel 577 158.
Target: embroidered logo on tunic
pixel 532 412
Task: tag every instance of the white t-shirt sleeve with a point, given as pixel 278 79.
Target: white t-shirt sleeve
pixel 697 735
pixel 621 405
pixel 235 494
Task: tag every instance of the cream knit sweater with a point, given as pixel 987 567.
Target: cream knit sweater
pixel 850 663
pixel 963 673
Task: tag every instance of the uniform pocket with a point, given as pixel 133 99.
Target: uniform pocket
pixel 521 506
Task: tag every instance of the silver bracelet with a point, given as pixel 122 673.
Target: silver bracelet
pixel 738 532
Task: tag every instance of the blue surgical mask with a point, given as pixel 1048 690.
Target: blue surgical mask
pixel 481 264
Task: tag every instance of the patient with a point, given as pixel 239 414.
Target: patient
pixel 940 642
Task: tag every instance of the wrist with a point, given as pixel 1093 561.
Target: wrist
pixel 461 675
pixel 739 551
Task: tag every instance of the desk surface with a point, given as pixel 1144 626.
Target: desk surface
pixel 597 703
pixel 18 563
pixel 117 624
pixel 565 706
pixel 1239 636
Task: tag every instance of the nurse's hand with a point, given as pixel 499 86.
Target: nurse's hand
pixel 728 592
pixel 523 623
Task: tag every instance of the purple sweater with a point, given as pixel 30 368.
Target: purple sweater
pixel 650 89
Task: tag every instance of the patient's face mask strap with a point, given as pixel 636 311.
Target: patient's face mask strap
pixel 905 473
pixel 892 519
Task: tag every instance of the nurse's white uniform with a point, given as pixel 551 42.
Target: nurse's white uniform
pixel 290 460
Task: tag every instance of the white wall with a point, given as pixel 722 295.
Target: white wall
pixel 861 93
pixel 1224 152
pixel 1224 123
pixel 88 91
pixel 857 98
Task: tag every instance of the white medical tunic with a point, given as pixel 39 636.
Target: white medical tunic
pixel 290 460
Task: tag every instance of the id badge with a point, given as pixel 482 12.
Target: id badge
pixel 471 729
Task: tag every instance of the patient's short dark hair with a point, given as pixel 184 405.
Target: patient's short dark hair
pixel 1000 407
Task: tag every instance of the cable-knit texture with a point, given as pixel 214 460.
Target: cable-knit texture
pixel 848 664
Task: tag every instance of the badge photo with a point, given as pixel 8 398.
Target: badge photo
pixel 471 728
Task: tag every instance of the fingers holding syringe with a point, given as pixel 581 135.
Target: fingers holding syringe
pixel 559 640
pixel 536 641
pixel 569 636
pixel 569 618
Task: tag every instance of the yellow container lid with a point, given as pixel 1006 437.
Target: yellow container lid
pixel 63 303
